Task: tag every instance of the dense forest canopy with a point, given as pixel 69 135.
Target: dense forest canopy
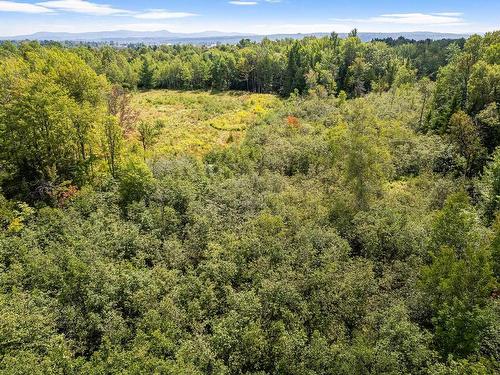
pixel 346 223
pixel 270 66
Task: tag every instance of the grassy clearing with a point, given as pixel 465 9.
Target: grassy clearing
pixel 197 121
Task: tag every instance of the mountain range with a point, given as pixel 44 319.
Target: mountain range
pixel 204 38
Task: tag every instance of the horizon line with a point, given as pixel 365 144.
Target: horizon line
pixel 235 33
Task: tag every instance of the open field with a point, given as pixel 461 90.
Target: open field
pixel 196 121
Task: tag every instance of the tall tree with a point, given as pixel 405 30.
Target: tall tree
pixel 459 281
pixel 146 74
pixel 465 135
pixel 112 143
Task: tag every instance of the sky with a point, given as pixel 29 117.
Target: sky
pixel 21 17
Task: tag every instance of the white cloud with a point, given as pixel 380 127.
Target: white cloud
pixel 83 7
pixel 161 14
pixel 89 8
pixel 11 6
pixel 244 3
pixel 250 3
pixel 420 19
pixel 451 14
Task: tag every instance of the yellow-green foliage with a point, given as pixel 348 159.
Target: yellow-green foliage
pixel 195 121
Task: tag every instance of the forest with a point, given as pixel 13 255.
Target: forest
pixel 305 207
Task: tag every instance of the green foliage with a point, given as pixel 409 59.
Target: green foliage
pixel 359 151
pixel 149 133
pixel 52 103
pixel 460 280
pixel 465 136
pixel 490 186
pixel 135 182
pixel 344 230
pixel 325 65
pixel 468 83
pixel 112 143
pixel 146 75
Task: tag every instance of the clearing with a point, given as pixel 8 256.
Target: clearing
pixel 197 121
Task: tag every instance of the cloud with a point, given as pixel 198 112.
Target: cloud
pixel 87 7
pixel 95 9
pixel 450 14
pixel 244 3
pixel 162 14
pixel 418 18
pixel 11 6
pixel 83 7
pixel 251 3
pixel 422 19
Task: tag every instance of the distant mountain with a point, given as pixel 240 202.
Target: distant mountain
pixel 203 38
pixel 118 35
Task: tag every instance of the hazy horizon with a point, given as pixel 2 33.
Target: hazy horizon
pixel 235 33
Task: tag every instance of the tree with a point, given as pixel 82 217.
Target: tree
pixel 489 187
pixel 360 154
pixel 483 86
pixel 488 121
pixel 48 119
pixel 353 33
pixel 450 92
pixel 404 76
pixel 223 70
pixel 295 78
pixel 495 247
pixel 136 182
pixel 30 340
pixel 459 280
pixel 464 134
pixel 311 81
pixel 148 133
pixel 358 76
pixel 120 106
pixel 201 72
pixel 146 74
pixel 246 66
pixel 111 143
pixel 425 88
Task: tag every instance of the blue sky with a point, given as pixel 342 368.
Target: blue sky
pixel 248 16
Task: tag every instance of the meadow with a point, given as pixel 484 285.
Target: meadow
pixel 197 121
